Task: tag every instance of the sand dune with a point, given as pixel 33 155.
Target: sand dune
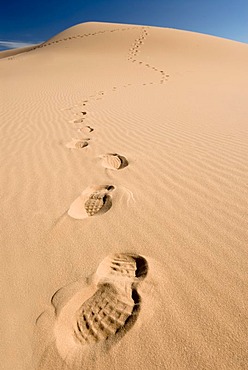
pixel 124 182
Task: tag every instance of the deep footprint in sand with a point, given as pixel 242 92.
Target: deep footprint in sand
pixel 77 143
pixel 105 310
pixel 114 161
pixel 94 200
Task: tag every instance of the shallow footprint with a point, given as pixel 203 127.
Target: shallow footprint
pixel 77 143
pixel 86 128
pixel 114 161
pixel 93 200
pixel 104 311
pixel 78 120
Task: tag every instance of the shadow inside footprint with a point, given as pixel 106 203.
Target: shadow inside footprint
pixel 141 267
pixel 81 144
pixel 90 128
pixel 140 274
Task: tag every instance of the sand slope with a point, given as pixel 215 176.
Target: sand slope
pixel 141 134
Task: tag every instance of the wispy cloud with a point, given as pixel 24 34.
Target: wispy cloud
pixel 14 44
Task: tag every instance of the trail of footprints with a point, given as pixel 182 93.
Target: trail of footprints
pixel 113 305
pixel 82 36
pixel 134 50
pixel 94 200
pixel 97 200
pixel 49 43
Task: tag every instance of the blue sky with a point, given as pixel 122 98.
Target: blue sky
pixel 26 21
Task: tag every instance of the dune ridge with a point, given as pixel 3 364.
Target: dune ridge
pixel 125 145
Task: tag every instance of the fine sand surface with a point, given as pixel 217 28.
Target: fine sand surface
pixel 124 181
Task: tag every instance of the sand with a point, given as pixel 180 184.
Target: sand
pixel 124 180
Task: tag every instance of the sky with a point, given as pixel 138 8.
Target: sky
pixel 24 22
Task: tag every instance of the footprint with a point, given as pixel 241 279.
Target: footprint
pixel 114 161
pixel 86 128
pixel 103 311
pixel 93 200
pixel 77 143
pixel 90 128
pixel 78 120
